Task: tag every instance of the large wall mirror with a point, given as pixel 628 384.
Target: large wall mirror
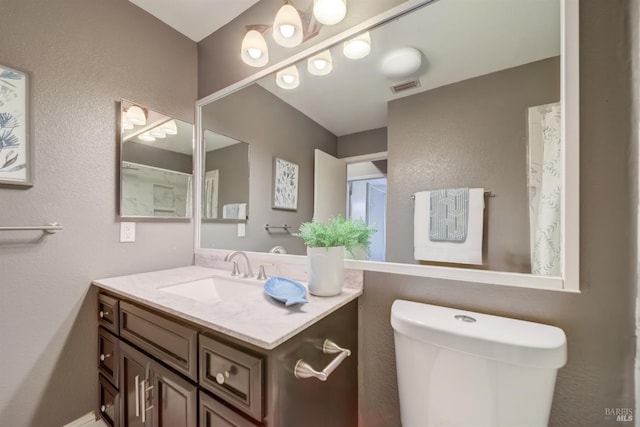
pixel 451 94
pixel 156 164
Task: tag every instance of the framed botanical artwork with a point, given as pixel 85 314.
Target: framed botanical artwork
pixel 15 146
pixel 285 185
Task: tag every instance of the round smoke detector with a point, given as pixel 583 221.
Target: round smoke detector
pixel 401 62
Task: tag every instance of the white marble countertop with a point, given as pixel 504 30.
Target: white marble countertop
pixel 254 317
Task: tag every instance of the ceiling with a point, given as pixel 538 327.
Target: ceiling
pixel 195 19
pixel 459 40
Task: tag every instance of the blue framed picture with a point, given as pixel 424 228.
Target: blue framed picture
pixel 285 185
pixel 15 146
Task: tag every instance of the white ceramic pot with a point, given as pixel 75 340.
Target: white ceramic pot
pixel 326 270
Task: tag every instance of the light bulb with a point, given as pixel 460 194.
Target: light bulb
pixel 287 30
pixel 289 27
pixel 126 125
pixel 357 48
pixel 329 12
pixel 320 64
pixel 254 51
pixel 288 78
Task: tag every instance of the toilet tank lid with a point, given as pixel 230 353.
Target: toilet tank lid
pixel 502 339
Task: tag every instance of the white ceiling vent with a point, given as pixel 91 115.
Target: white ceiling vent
pixel 404 86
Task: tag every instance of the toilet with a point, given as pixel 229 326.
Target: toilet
pixel 458 368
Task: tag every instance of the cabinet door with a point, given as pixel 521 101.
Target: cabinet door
pixel 175 400
pixel 215 414
pixel 134 375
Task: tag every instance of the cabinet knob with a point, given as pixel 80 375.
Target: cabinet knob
pixel 104 356
pixel 221 377
pixel 103 313
pixel 103 408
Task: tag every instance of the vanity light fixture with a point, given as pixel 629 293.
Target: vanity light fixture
pixel 146 137
pixel 169 127
pixel 358 47
pixel 320 64
pixel 329 12
pixel 135 115
pixel 287 26
pixel 254 51
pixel 288 78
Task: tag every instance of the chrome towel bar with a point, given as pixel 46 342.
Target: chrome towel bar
pixel 49 228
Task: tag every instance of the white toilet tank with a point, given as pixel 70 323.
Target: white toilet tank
pixel 462 369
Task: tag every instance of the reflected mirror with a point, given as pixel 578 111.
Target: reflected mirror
pixel 156 164
pixel 471 103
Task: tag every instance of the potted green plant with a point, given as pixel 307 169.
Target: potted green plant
pixel 327 245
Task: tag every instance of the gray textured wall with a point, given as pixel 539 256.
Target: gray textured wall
pixel 599 322
pixel 232 162
pixel 261 124
pixel 365 142
pixel 469 134
pixel 82 56
pixel 157 157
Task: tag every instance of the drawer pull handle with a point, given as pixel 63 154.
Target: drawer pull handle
pixel 103 313
pixel 104 356
pixel 304 370
pixel 221 377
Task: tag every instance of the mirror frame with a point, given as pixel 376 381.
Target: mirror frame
pixel 120 160
pixel 570 128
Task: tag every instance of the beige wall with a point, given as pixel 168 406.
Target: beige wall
pixel 469 134
pixel 82 56
pixel 599 322
pixel 360 143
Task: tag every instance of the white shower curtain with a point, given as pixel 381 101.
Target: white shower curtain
pixel 211 194
pixel 545 184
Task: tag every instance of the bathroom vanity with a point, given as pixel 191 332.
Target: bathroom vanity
pixel 167 359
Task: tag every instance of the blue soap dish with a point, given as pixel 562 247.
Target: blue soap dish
pixel 285 290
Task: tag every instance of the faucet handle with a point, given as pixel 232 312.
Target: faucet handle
pixel 236 270
pixel 261 274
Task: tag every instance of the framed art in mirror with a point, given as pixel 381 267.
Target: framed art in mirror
pixel 285 185
pixel 16 154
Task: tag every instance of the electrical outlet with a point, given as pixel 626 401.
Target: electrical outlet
pixel 127 232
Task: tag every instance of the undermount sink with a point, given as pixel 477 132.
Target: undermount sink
pixel 212 289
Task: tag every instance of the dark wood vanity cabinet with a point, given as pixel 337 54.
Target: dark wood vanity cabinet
pixel 153 395
pixel 155 370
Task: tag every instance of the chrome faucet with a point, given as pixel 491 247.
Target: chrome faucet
pixel 229 258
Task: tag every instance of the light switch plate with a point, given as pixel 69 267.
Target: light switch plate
pixel 127 232
pixel 242 231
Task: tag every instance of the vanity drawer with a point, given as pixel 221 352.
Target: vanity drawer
pixel 108 312
pixel 215 414
pixel 108 355
pixel 232 375
pixel 171 342
pixel 108 403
